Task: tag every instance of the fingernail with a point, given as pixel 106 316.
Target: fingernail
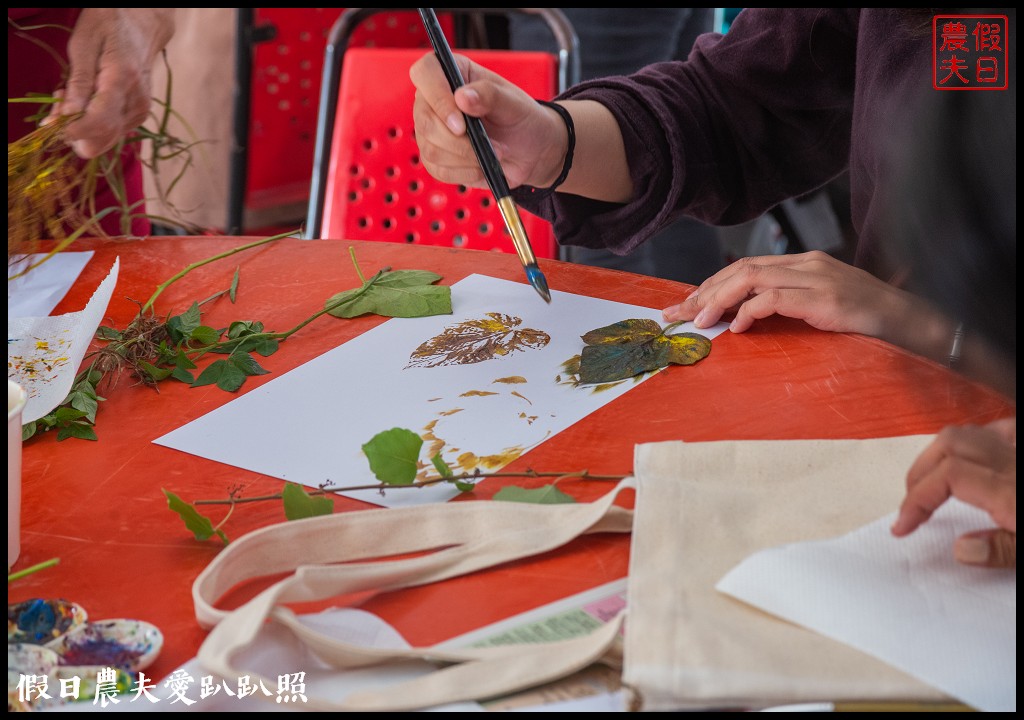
pixel 454 123
pixel 701 318
pixel 470 94
pixel 972 550
pixel 734 326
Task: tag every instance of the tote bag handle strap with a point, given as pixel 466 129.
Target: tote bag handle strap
pixel 344 553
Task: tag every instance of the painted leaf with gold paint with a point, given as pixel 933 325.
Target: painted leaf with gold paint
pixel 633 347
pixel 473 341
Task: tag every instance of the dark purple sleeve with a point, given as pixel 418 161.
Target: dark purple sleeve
pixel 753 117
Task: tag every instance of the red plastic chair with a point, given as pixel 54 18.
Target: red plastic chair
pixel 279 64
pixel 368 183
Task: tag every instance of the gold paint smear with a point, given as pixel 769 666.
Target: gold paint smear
pixel 522 396
pixel 511 380
pixel 471 461
pixel 477 393
pixel 446 413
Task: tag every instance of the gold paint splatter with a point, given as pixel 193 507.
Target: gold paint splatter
pixel 477 393
pixel 522 396
pixel 446 413
pixel 511 380
pixel 436 443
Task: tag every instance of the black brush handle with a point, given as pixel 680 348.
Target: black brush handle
pixel 477 135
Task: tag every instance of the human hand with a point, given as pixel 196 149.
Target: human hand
pixel 110 56
pixel 979 466
pixel 815 287
pixel 529 140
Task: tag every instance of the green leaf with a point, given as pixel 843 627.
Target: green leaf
pixel 247 364
pixel 28 430
pixel 299 504
pixel 261 346
pixel 107 333
pixel 183 375
pixel 441 466
pixel 233 290
pixel 86 402
pixel 199 525
pixel 181 326
pixel 205 335
pixel 464 486
pixel 398 293
pixel 633 347
pixel 154 372
pixel 79 430
pixel 67 414
pixel 241 328
pixel 393 455
pixel 183 361
pixel 547 495
pixel 182 364
pixel 212 374
pixel 222 374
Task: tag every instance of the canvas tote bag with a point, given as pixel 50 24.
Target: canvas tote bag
pixel 701 508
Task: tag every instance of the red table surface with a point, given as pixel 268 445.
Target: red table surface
pixel 98 506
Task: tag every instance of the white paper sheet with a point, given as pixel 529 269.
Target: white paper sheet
pixel 37 293
pixel 904 601
pixel 308 426
pixel 43 353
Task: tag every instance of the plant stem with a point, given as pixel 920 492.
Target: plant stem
pixel 424 483
pixel 231 510
pixel 352 254
pixel 178 276
pixel 200 352
pixel 11 577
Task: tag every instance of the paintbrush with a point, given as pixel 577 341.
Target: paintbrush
pixel 488 160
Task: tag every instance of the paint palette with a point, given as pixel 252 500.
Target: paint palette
pixel 129 645
pixel 28 665
pixel 51 640
pixel 39 621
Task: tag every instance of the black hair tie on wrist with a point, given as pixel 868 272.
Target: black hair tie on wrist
pixel 538 193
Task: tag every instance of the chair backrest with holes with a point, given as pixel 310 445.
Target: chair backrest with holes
pixel 281 58
pixel 367 180
pixel 376 188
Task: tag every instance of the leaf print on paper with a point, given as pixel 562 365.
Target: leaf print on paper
pixel 474 341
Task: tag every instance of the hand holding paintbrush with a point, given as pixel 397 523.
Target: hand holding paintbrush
pixel 488 160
